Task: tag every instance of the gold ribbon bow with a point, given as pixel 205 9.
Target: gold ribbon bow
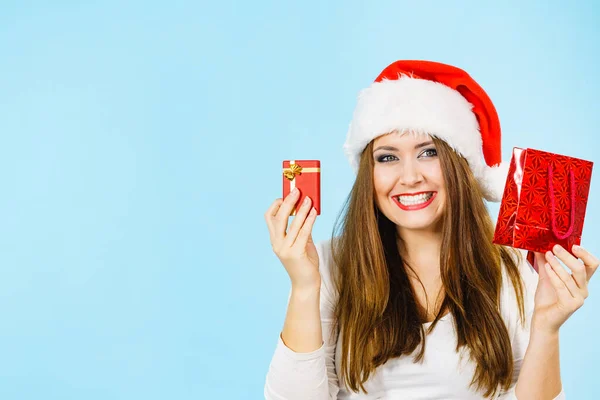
pixel 291 172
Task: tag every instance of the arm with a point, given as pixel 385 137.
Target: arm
pixel 536 373
pixel 303 365
pixel 540 373
pixel 558 294
pixel 302 327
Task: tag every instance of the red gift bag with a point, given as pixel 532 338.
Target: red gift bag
pixel 544 201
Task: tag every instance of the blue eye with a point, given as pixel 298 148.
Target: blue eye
pixel 384 157
pixel 428 153
pixel 431 152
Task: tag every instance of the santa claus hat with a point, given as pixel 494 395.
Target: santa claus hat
pixel 437 99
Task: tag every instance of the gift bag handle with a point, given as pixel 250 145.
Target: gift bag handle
pixel 553 204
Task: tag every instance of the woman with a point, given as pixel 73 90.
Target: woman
pixel 412 300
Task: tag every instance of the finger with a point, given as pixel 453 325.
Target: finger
pixel 280 222
pixel 270 214
pixel 562 254
pixel 589 260
pixel 273 208
pixel 557 283
pixel 564 276
pixel 272 211
pixel 575 265
pixel 304 236
pixel 297 222
pixel 539 261
pixel 543 275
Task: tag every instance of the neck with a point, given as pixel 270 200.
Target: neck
pixel 421 249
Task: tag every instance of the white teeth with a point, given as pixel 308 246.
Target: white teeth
pixel 414 200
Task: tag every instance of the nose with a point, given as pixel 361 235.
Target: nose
pixel 410 173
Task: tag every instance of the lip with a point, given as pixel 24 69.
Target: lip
pixel 417 206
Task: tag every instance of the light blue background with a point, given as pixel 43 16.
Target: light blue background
pixel 142 143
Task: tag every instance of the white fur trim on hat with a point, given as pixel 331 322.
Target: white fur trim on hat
pixel 494 180
pixel 422 106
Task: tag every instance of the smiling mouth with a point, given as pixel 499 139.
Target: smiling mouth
pixel 414 202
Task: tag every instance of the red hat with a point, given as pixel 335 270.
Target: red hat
pixel 439 100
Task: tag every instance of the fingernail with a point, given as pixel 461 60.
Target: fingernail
pixel 557 248
pixel 305 202
pixel 295 191
pixel 576 247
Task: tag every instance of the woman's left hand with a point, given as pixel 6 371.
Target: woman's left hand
pixel 560 293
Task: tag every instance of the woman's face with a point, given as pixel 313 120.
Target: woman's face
pixel 409 184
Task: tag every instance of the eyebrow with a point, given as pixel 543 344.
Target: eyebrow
pixel 392 148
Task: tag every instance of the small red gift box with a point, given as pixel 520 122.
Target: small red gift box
pixel 306 176
pixel 544 201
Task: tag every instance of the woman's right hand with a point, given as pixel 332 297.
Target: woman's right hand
pixel 295 249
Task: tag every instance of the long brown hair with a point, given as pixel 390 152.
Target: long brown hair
pixel 376 310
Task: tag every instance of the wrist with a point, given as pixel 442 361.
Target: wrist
pixel 306 289
pixel 541 329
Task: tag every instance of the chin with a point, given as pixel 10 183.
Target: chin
pixel 428 219
pixel 419 225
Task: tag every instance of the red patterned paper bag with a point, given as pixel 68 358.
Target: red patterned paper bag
pixel 544 201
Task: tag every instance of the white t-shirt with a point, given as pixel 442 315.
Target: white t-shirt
pixel 444 374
